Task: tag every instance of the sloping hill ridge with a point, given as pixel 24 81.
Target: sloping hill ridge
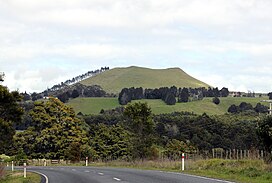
pixel 114 80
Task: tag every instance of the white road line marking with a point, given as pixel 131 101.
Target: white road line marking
pixel 73 169
pixel 100 173
pixel 51 168
pixel 200 177
pixel 46 178
pixel 116 179
pixel 87 171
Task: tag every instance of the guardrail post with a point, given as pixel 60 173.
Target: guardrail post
pixel 12 166
pixel 24 170
pixel 44 163
pixel 182 162
pixel 86 161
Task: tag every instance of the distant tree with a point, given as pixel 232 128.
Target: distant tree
pixel 174 90
pixel 26 96
pixel 170 99
pixel 264 131
pixel 64 97
pixel 124 96
pixel 55 128
pixel 270 95
pixel 216 100
pixel 259 108
pixel 141 124
pixel 233 109
pixel 75 94
pixel 35 96
pixel 184 95
pixel 10 114
pixel 73 152
pixel 245 106
pixel 224 92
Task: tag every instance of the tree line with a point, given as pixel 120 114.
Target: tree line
pixel 247 107
pixel 130 133
pixel 77 79
pixel 169 95
pixel 68 92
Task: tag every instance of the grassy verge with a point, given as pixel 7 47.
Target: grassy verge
pixel 253 171
pixel 17 177
pixel 248 171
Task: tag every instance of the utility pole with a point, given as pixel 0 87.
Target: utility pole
pixel 270 104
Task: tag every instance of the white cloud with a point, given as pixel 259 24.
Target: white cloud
pixel 214 40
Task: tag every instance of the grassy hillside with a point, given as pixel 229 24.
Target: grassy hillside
pixel 94 105
pixel 112 81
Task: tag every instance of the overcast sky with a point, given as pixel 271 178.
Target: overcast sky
pixel 221 42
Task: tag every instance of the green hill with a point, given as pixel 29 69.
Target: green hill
pixel 94 105
pixel 114 80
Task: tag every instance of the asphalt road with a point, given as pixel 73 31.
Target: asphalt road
pixel 69 174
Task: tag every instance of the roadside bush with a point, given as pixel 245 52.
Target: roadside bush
pixel 216 100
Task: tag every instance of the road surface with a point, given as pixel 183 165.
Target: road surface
pixel 68 174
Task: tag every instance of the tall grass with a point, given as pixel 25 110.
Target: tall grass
pixel 253 171
pixel 2 170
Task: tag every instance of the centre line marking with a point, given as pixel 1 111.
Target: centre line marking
pixel 101 173
pixel 116 179
pixel 86 171
pixel 73 170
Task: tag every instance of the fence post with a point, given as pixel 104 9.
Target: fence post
pixel 213 153
pixel 241 154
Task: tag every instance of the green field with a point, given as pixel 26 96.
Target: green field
pixel 114 80
pixel 94 105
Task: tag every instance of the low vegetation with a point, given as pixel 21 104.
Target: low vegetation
pixel 248 171
pixel 251 171
pixel 17 177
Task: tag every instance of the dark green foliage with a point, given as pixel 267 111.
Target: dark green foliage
pixel 55 127
pixel 174 148
pixel 75 94
pixel 110 142
pixel 224 92
pixel 264 132
pixel 233 109
pixel 141 124
pixel 170 99
pixel 270 95
pixel 124 96
pixel 184 95
pixel 248 108
pixel 216 100
pixel 259 108
pixel 73 152
pixel 10 113
pixel 64 97
pixel 6 132
pixel 245 106
pixel 205 132
pixel 35 96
